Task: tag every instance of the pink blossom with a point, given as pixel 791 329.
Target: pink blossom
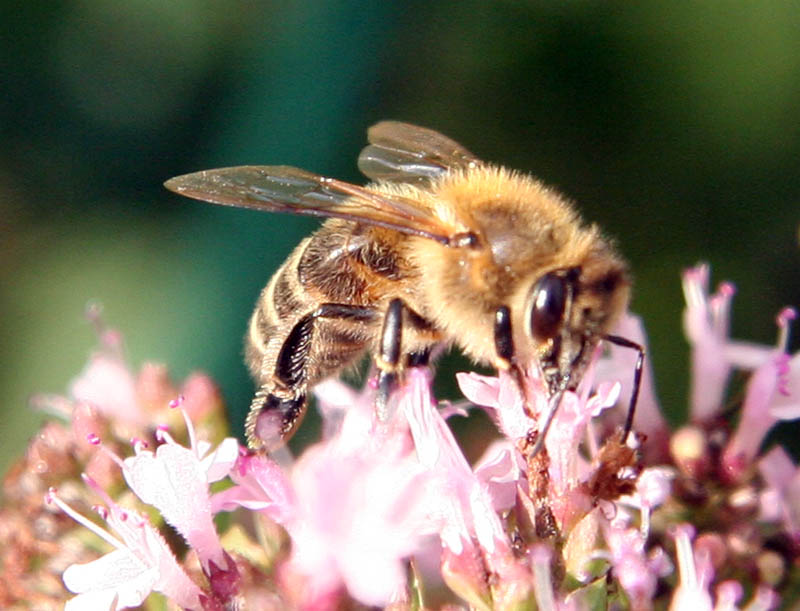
pixel 728 594
pixel 360 516
pixel 140 563
pixel 780 500
pixel 353 506
pixel 175 481
pixel 200 394
pixel 108 384
pixel 465 574
pixel 773 393
pixel 261 485
pixel 567 468
pixel 692 592
pixel 636 572
pixel 653 487
pixel 706 321
pixel 502 470
pixel 546 597
pixel 335 399
pixel 380 494
pixel 461 502
pixel 786 402
pixel 504 402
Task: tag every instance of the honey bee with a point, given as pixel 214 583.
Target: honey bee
pixel 440 249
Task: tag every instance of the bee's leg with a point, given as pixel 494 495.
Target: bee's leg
pixel 388 357
pixel 280 403
pixel 273 417
pixel 505 361
pixel 505 355
pixel 503 338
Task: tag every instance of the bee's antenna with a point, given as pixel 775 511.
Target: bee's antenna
pixel 555 400
pixel 637 379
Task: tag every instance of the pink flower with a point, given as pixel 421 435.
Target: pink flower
pixel 359 516
pixel 504 402
pixel 546 597
pixel 706 321
pixel 200 394
pixel 567 468
pixel 693 590
pixel 773 394
pixel 382 498
pixel 140 563
pixel 175 481
pixel 637 573
pixel 261 485
pixel 653 487
pixel 108 384
pixel 780 500
pixel 461 502
pixel 353 506
pixel 696 576
pixel 773 391
pixel 728 594
pixel 502 470
pixel 335 399
pixel 637 569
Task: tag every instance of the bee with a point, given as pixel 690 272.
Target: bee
pixel 440 248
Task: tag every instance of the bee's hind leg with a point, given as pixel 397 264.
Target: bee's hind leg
pixel 273 418
pixel 280 403
pixel 505 353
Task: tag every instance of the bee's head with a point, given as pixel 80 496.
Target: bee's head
pixel 567 311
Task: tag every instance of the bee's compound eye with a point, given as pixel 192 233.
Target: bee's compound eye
pixel 547 308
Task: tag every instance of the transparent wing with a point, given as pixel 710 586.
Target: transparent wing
pixel 289 189
pixel 401 152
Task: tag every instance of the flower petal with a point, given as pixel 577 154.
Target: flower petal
pixel 117 574
pixel 219 463
pixel 481 390
pixel 174 482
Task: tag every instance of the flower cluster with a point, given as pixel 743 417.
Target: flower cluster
pixel 390 513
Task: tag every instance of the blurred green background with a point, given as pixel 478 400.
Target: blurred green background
pixel 676 126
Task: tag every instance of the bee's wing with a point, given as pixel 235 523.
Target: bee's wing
pixel 289 189
pixel 401 152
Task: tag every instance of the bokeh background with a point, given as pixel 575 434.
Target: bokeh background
pixel 676 126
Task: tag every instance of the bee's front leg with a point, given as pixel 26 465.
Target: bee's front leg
pixel 280 403
pixel 505 355
pixel 505 360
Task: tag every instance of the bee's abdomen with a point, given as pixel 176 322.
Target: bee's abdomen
pixel 286 344
pixel 280 306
